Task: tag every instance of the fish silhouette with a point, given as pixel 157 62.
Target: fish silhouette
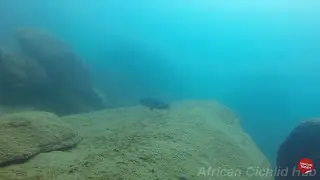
pixel 154 103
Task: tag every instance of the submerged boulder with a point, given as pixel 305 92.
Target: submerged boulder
pixel 63 65
pixel 302 142
pixel 19 78
pixel 51 76
pixel 26 134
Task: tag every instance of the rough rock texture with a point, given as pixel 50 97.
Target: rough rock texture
pixel 302 142
pixel 26 134
pixel 139 144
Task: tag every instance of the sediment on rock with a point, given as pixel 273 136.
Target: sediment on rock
pixel 24 135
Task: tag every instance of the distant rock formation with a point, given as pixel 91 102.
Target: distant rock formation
pixel 19 78
pixel 50 76
pixel 63 66
pixel 24 135
pixel 302 142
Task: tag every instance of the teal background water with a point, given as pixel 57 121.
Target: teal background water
pixel 261 58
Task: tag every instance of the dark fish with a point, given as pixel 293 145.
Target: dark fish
pixel 153 103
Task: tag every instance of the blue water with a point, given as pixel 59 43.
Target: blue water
pixel 261 58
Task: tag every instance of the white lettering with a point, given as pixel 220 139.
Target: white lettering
pixel 202 171
pixel 250 171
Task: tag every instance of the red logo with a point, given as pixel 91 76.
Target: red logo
pixel 305 165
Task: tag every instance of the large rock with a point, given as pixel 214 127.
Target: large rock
pixel 191 141
pixel 302 142
pixel 20 79
pixel 63 65
pixel 26 134
pixel 71 84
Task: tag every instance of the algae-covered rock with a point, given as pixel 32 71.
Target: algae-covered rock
pixel 24 135
pixel 194 140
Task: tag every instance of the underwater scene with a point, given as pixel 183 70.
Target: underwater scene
pixel 159 90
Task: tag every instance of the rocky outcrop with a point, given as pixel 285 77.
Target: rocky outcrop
pixel 70 78
pixel 193 140
pixel 20 79
pixel 63 66
pixel 49 76
pixel 26 134
pixel 302 142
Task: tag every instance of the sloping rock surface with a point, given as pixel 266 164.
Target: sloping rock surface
pixel 191 141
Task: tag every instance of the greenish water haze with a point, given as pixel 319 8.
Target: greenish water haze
pixel 261 58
